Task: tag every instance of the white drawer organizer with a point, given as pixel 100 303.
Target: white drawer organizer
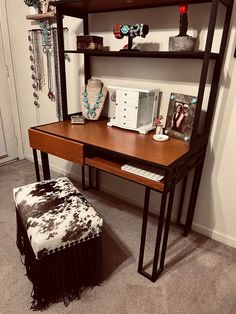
pixel 133 109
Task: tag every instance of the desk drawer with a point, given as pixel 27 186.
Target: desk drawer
pixel 57 146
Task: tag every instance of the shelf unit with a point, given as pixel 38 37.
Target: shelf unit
pixel 193 157
pixel 82 8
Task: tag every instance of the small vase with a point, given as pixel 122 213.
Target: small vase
pixel 33 10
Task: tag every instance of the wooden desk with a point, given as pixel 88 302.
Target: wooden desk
pixel 107 148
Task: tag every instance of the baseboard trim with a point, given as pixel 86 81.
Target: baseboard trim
pixel 58 170
pixel 213 234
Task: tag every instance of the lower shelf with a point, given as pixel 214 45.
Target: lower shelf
pixel 115 168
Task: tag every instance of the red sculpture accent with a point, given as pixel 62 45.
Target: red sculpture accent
pixel 183 8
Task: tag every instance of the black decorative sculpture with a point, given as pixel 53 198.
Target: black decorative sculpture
pixel 131 31
pixel 183 23
pixel 182 42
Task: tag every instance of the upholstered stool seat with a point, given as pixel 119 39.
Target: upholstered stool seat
pixel 58 232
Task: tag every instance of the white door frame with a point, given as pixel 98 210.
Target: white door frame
pixel 11 78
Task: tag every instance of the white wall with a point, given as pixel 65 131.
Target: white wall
pixel 216 209
pixel 215 214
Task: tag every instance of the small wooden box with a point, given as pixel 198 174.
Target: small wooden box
pixel 89 42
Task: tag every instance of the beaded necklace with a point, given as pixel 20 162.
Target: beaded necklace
pixel 92 111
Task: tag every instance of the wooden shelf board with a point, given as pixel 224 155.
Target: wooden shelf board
pixel 93 6
pixel 42 16
pixel 115 168
pixel 145 54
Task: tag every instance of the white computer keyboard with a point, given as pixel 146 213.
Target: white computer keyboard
pixel 143 173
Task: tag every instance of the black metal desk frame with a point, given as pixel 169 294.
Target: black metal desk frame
pixel 195 159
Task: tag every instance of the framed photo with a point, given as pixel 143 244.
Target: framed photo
pixel 180 116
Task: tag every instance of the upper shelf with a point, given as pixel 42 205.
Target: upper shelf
pixel 42 16
pixel 76 7
pixel 145 54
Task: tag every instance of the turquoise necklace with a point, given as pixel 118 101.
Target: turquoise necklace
pixel 92 111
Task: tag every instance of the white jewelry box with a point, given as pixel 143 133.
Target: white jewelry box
pixel 133 109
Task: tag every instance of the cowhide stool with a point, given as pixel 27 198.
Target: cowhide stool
pixel 58 232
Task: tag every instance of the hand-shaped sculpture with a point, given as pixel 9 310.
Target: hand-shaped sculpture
pixel 131 31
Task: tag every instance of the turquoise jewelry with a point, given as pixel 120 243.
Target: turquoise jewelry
pixel 92 111
pixel 125 29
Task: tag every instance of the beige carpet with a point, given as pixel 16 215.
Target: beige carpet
pixel 200 276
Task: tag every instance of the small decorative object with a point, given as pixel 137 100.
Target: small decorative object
pixel 160 137
pixel 90 42
pixel 182 42
pixel 93 98
pixel 78 119
pixel 48 50
pixel 45 6
pixel 180 116
pixel 131 31
pixel 34 6
pixel 133 109
pixel 159 126
pixel 57 74
pixel 37 64
pixel 46 36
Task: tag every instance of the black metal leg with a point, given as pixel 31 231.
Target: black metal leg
pixel 83 178
pixel 193 198
pixel 45 165
pixel 36 164
pixel 90 177
pixel 181 202
pixel 155 273
pixel 167 228
pixel 144 228
pixel 97 179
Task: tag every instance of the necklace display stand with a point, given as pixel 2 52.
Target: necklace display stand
pixel 93 96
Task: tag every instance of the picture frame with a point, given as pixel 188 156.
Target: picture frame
pixel 180 116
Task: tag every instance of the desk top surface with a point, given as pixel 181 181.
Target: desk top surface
pixel 130 143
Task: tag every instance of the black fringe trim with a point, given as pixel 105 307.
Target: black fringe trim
pixel 64 275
